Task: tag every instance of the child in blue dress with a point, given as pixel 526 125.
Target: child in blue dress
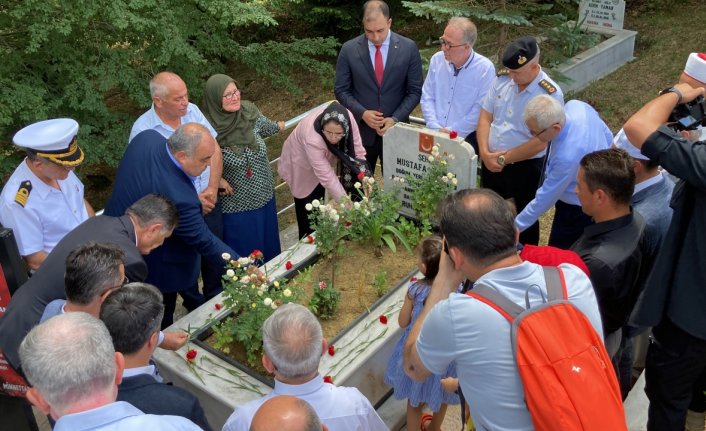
pixel 429 392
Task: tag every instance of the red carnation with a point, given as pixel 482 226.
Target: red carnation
pixel 453 134
pixel 328 379
pixel 256 254
pixel 322 285
pixel 218 306
pixel 331 350
pixel 191 355
pixel 383 319
pixel 361 175
pixel 310 239
pixel 288 265
pixel 347 224
pixel 413 279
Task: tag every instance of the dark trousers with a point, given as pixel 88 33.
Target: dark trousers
pixel 568 225
pixel 373 153
pixel 16 414
pixel 675 362
pixel 519 182
pixel 210 273
pixel 471 139
pixel 169 301
pixel 302 214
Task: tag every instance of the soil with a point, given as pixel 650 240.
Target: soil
pixel 357 268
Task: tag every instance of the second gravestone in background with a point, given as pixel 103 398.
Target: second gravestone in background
pixel 602 14
pixel 407 148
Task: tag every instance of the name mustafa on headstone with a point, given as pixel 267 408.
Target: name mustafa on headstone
pixel 407 148
pixel 602 14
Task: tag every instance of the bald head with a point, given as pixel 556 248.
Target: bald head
pixel 169 97
pixel 286 413
pixel 162 82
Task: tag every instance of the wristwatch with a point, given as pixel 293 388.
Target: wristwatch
pixel 674 90
pixel 501 160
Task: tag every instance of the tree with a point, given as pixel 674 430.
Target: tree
pixel 92 60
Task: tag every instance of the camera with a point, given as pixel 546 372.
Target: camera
pixel 688 116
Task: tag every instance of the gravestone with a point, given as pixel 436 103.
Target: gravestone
pixel 407 149
pixel 602 14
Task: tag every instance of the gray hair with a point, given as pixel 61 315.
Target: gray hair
pixel 159 84
pixel 545 111
pixel 292 338
pixel 186 138
pixel 92 269
pixel 132 314
pixel 470 32
pixel 153 209
pixel 69 359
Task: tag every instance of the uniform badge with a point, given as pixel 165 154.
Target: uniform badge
pixel 503 72
pixel 521 60
pixel 547 86
pixel 23 193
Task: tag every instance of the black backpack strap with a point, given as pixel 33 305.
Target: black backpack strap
pixel 497 300
pixel 556 286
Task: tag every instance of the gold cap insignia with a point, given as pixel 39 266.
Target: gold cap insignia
pixel 521 60
pixel 23 193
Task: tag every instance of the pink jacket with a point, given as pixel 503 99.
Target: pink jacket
pixel 306 161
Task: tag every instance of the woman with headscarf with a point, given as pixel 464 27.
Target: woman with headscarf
pixel 249 210
pixel 323 153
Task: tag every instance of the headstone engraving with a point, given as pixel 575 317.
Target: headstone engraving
pixel 602 14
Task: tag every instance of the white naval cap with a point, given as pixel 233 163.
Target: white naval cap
pixel 53 139
pixel 621 141
pixel 696 66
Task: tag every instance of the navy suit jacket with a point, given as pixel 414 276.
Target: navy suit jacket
pixel 154 398
pixel 145 168
pixel 357 88
pixel 47 284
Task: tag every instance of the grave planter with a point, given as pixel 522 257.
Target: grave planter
pixel 599 61
pixel 362 353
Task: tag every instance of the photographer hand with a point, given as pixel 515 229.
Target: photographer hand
pixel 688 92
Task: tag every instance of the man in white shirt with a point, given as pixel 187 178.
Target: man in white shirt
pixel 293 344
pixel 457 82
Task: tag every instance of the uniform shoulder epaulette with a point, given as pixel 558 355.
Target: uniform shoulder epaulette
pixel 503 72
pixel 23 193
pixel 547 86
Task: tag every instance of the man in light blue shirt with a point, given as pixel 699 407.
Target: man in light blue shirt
pixel 457 82
pixel 293 343
pixel 74 371
pixel 570 132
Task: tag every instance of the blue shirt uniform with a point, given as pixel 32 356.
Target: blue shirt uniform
pixel 121 416
pixel 452 99
pixel 504 100
pixel 150 120
pixel 583 132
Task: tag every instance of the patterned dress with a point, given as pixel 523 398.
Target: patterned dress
pixel 250 213
pixel 430 391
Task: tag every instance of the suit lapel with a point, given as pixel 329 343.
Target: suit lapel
pixel 392 54
pixel 364 53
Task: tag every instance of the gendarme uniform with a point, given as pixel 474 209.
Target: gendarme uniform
pixel 39 214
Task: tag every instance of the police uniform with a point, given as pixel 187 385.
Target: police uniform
pixel 508 130
pixel 40 215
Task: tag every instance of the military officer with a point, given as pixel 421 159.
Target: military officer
pixel 43 199
pixel 512 156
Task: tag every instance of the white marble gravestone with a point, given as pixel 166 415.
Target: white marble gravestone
pixel 602 14
pixel 407 147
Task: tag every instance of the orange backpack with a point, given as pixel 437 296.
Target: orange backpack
pixel 568 379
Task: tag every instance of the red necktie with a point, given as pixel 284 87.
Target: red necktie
pixel 379 68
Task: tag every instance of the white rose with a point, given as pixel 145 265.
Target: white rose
pixel 226 256
pixel 357 185
pixel 454 181
pixel 274 306
pixel 267 302
pixel 315 203
pixel 245 279
pixel 260 293
pixel 287 293
pixel 371 180
pixel 230 273
pixel 356 205
pixel 243 260
pixel 445 179
pixel 309 207
pixel 450 175
pixel 430 158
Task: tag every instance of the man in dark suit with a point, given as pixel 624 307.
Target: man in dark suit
pixel 144 227
pixel 132 315
pixel 154 164
pixel 378 78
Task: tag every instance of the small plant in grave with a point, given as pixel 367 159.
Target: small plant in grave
pixel 252 298
pixel 326 221
pixel 325 300
pixel 375 218
pixel 414 231
pixel 380 283
pixel 432 186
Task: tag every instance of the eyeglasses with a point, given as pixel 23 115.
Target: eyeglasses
pixel 334 134
pixel 444 43
pixel 232 95
pixel 446 250
pixel 543 130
